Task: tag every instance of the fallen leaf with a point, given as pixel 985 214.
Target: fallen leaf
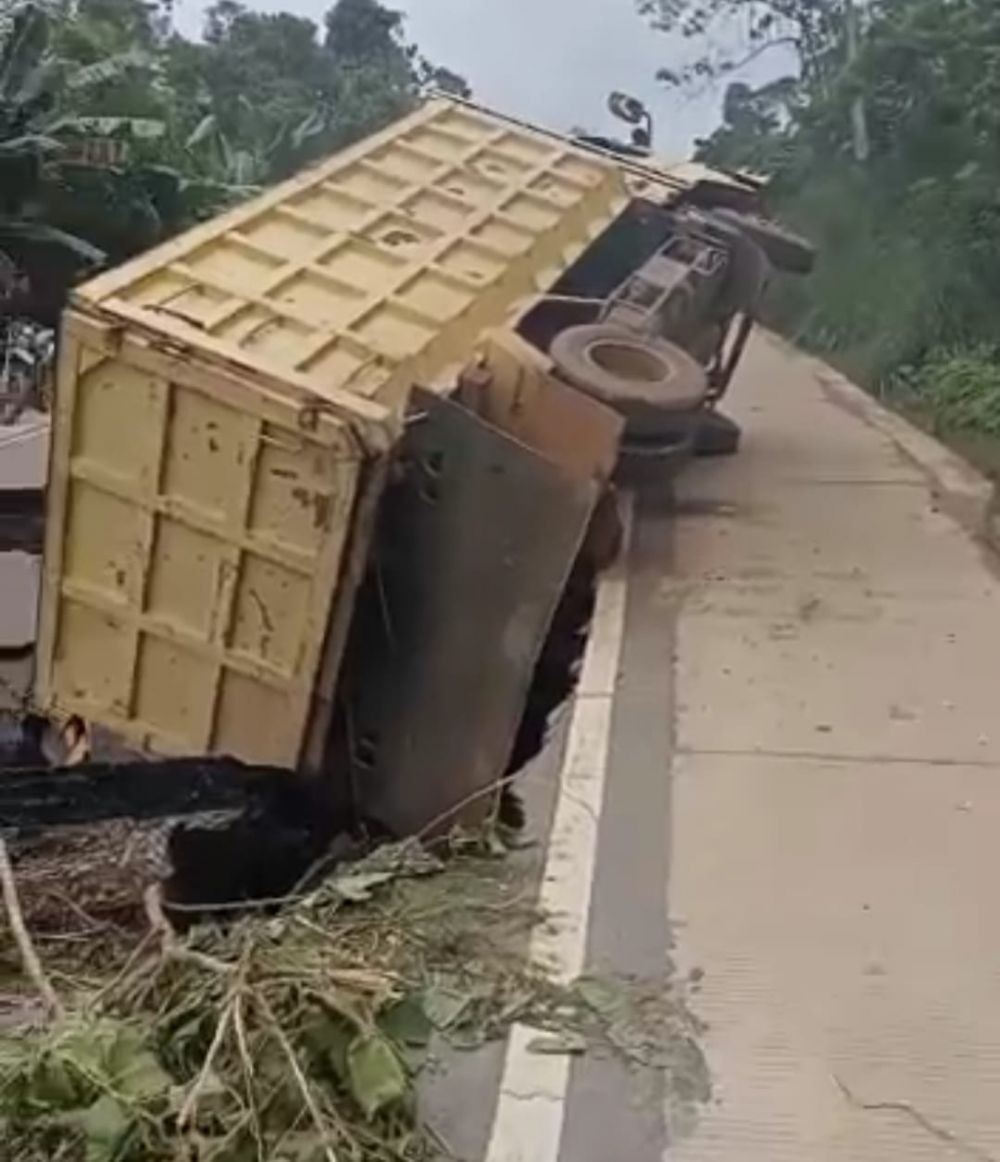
pixel 105 1125
pixel 603 996
pixel 407 1023
pixel 375 1074
pixel 444 1006
pixel 360 886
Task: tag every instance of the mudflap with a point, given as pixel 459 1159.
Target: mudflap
pixel 475 540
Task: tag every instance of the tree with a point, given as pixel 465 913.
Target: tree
pixel 254 97
pixel 733 33
pixel 266 93
pixel 757 127
pixel 909 238
pixel 363 31
pixel 38 259
pixel 116 131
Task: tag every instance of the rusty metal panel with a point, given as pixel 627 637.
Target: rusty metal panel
pixel 193 550
pixel 510 385
pixel 473 548
pixel 379 267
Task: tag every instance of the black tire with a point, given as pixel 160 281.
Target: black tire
pixel 717 435
pixel 785 250
pixel 650 463
pixel 648 381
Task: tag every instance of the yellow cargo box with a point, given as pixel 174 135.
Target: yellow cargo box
pixel 221 400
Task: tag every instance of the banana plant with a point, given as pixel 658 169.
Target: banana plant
pixel 63 210
pixel 260 156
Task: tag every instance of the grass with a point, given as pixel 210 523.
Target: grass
pixel 904 299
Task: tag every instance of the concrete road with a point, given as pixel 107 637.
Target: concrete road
pixel 836 791
pixel 783 773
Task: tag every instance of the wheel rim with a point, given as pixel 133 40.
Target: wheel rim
pixel 629 361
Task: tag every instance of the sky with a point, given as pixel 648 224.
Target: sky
pixel 549 61
pixel 555 61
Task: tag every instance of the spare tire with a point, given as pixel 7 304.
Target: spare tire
pixel 786 250
pixel 645 380
pixel 648 462
pixel 717 435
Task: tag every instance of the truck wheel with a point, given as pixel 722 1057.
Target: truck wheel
pixel 648 463
pixel 644 379
pixel 786 250
pixel 716 435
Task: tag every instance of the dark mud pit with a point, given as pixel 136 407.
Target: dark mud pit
pixel 87 840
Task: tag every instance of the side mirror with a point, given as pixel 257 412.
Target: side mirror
pixel 626 108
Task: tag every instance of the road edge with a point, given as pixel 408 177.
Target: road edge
pixel 963 492
pixel 529 1116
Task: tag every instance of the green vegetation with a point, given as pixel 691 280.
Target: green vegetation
pixel 299 1036
pixel 958 391
pixel 885 150
pixel 115 131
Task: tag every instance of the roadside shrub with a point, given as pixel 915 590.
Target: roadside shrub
pixel 959 389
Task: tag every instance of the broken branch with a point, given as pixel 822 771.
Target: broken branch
pixel 301 1081
pixel 22 937
pixel 170 946
pixel 190 1105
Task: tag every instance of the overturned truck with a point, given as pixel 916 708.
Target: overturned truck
pixel 332 474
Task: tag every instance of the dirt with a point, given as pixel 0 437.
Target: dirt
pixel 78 882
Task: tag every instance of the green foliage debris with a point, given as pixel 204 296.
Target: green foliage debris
pixel 300 1035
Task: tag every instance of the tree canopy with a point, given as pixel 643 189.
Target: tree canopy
pixel 116 131
pixel 909 237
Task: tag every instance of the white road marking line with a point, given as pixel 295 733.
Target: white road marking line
pixel 527 1126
